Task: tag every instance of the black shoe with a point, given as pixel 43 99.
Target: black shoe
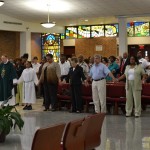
pixel 29 107
pixel 46 109
pixel 78 111
pixel 17 104
pixel 53 109
pixel 25 108
pixel 94 113
pixel 137 116
pixel 72 111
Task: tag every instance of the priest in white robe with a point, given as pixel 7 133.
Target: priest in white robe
pixel 29 78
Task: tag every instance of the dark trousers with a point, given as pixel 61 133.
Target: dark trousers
pixel 50 94
pixel 76 95
pixel 42 93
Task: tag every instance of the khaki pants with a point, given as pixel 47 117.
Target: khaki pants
pixel 19 95
pixel 132 94
pixel 99 95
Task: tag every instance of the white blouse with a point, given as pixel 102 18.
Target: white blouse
pixel 131 74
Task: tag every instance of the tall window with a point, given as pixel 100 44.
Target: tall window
pixel 51 44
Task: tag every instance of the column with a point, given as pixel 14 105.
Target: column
pixel 25 43
pixel 122 35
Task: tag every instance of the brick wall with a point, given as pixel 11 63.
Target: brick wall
pixel 10 44
pixel 36 45
pixel 86 47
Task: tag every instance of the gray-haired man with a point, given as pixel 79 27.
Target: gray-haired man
pixel 98 73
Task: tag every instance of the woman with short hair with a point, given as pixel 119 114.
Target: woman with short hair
pixel 76 77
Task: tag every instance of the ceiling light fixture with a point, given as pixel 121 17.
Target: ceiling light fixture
pixel 48 24
pixel 1 3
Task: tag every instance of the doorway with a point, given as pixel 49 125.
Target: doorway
pixel 134 49
pixel 69 51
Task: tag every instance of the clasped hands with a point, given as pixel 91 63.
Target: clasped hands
pixel 86 83
pixel 115 80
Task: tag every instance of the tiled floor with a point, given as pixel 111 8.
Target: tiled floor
pixel 118 132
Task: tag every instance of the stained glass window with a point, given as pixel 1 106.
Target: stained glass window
pixel 111 30
pixel 71 32
pixel 141 28
pixel 83 31
pixel 97 31
pixel 130 29
pixel 51 44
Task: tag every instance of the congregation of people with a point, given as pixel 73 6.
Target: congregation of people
pixel 41 78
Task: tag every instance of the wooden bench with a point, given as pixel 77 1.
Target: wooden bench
pixel 48 138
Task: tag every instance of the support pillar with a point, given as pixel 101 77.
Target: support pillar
pixel 25 43
pixel 122 35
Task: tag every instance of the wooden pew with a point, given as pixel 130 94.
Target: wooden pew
pixel 92 137
pixel 48 138
pixel 83 134
pixel 87 96
pixel 116 95
pixel 145 95
pixel 64 95
pixel 74 135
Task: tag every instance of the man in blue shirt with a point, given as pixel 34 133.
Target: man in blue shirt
pixel 98 73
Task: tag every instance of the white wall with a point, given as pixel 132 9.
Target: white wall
pixel 69 42
pixel 32 27
pixel 136 40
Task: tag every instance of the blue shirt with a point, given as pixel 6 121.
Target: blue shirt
pixel 99 71
pixel 114 66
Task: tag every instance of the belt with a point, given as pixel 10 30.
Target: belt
pixel 28 81
pixel 99 79
pixel 64 75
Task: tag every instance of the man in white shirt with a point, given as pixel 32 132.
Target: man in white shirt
pixel 144 63
pixel 64 66
pixel 147 58
pixel 83 65
pixel 36 65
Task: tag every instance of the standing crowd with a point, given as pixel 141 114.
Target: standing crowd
pixel 33 80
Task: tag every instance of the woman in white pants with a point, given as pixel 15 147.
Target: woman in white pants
pixel 133 74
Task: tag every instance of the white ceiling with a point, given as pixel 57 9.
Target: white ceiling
pixel 96 11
